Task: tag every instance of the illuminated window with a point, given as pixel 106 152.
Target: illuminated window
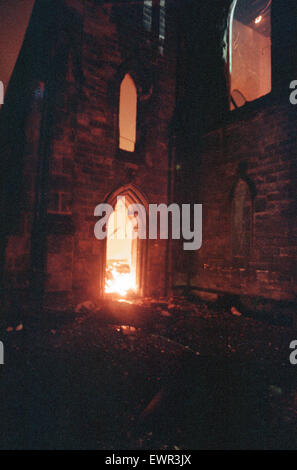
pixel 127 114
pixel 241 220
pixel 147 14
pixel 162 20
pixel 154 17
pixel 250 50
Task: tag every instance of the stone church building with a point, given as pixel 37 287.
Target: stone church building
pixel 159 101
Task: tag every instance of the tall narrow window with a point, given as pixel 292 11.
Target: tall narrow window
pixel 250 50
pixel 154 17
pixel 147 14
pixel 162 20
pixel 127 114
pixel 241 220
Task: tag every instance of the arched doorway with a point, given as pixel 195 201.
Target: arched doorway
pixel 125 252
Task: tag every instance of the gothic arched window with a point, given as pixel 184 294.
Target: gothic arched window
pixel 242 213
pixel 250 50
pixel 127 114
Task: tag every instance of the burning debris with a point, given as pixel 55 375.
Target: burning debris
pixel 235 312
pixel 121 253
pixel 119 279
pixel 19 327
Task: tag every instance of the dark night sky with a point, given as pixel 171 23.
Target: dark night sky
pixel 14 18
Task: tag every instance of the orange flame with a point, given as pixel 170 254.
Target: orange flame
pixel 120 283
pixel 258 19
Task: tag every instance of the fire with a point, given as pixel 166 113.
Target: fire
pixel 121 252
pixel 258 19
pixel 119 282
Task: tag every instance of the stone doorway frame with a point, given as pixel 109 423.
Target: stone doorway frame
pixel 133 196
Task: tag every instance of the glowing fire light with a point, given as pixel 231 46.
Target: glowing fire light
pixel 258 19
pixel 120 283
pixel 121 253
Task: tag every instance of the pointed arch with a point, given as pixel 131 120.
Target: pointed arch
pixel 138 247
pixel 242 219
pixel 131 192
pixel 127 114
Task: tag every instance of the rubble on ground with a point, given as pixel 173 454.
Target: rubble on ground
pixel 149 341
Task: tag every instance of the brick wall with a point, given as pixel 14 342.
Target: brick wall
pixel 17 262
pixel 265 139
pixel 216 148
pixel 86 166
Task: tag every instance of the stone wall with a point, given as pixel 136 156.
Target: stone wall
pixel 86 165
pixel 265 140
pixel 95 47
pixel 217 148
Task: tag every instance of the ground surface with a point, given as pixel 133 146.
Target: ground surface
pixel 155 374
